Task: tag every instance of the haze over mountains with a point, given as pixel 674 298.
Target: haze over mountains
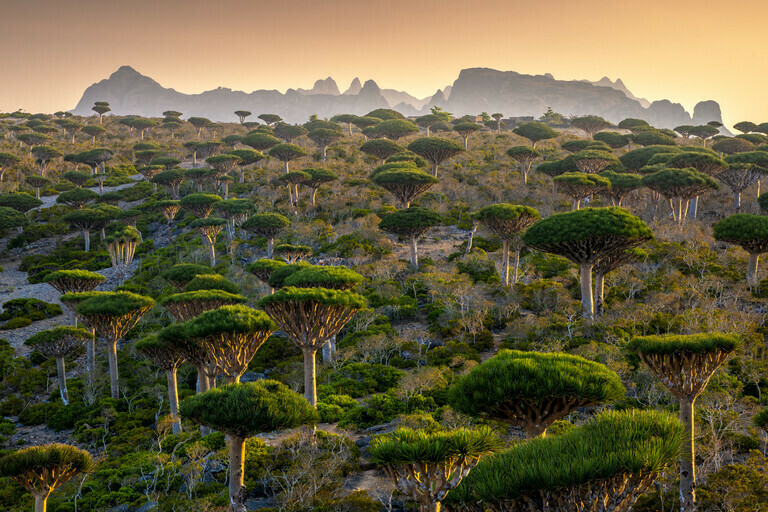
pixel 475 90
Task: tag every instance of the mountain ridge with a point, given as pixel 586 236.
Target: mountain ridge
pixel 475 90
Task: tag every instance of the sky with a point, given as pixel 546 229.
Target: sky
pixel 682 50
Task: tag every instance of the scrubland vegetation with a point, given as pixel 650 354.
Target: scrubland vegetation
pixel 377 313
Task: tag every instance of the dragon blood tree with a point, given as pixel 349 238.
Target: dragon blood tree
pixel 171 179
pixel 71 301
pixel 187 305
pixel 591 161
pixel 235 212
pixel 317 177
pixel 112 315
pixel 121 246
pixel 263 269
pixel 74 281
pixel 310 317
pixel 209 229
pixel 584 236
pixel 580 185
pixel 86 220
pixel 532 390
pixel 411 223
pixel 508 221
pixel 42 469
pixel 36 182
pixel 524 155
pixel 406 184
pixel 435 150
pixel 231 335
pixel 168 359
pixel 381 148
pixel 332 278
pixel 59 343
pixel 622 184
pixel 293 253
pixel 738 177
pixel 684 364
pixel 176 337
pixel 199 205
pixel 268 225
pixel 181 274
pixel 750 232
pixel 681 185
pixel 424 466
pixel 169 209
pixel 242 410
pixel 602 466
pixel 292 180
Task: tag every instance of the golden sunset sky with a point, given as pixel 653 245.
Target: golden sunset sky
pixel 682 50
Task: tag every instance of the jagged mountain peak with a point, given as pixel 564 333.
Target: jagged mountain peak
pixel 354 87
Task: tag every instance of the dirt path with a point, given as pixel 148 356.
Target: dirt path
pixel 49 201
pixel 14 285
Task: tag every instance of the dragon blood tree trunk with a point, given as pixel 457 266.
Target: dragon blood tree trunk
pixel 237 469
pixel 752 269
pixel 62 374
pixel 414 252
pixel 173 397
pixel 587 303
pixel 310 388
pixel 505 263
pixel 687 458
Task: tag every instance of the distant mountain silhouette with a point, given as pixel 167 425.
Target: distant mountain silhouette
pixel 476 90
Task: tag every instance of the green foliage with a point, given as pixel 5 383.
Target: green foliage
pixel 653 138
pixel 11 218
pixel 684 183
pixel 22 203
pixel 614 140
pixel 513 376
pixel 22 312
pixel 535 131
pixel 77 197
pixel 237 319
pixel 114 304
pixel 34 462
pixel 408 446
pixel 589 226
pixel 611 444
pixel 56 335
pixel 638 158
pixel 395 129
pixel 244 410
pixel 285 152
pixel 320 295
pixel 182 273
pixel 666 344
pixel 359 380
pixel 332 408
pixel 279 275
pixel 384 114
pixel 326 277
pixel 211 282
pixel 410 221
pixel 748 231
pixel 381 148
pixel 267 225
